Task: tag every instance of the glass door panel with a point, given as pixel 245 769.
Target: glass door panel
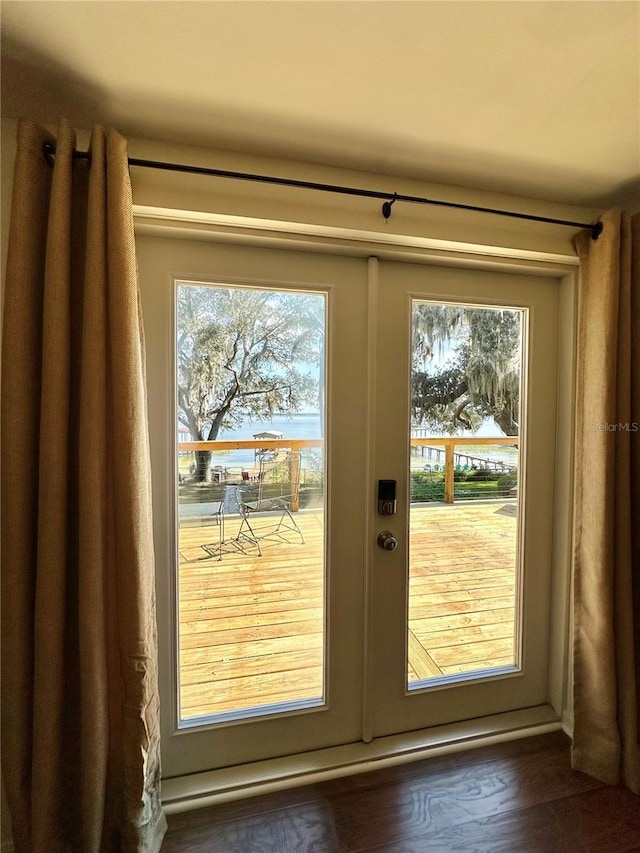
pixel 464 555
pixel 251 507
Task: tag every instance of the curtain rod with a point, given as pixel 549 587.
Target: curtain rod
pixel 49 151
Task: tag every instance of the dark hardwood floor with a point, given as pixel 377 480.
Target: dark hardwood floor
pixel 516 797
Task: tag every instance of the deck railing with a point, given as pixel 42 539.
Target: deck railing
pixel 295 445
pixel 450 443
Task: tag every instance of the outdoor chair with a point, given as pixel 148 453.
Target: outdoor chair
pixel 206 512
pixel 265 505
pixel 216 509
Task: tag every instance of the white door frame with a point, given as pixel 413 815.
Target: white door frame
pixel 202 789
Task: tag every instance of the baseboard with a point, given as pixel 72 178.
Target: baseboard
pixel 199 790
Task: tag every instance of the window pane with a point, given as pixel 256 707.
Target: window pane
pixel 464 546
pixel 251 501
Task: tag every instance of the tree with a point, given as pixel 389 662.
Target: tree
pixel 242 353
pixel 480 375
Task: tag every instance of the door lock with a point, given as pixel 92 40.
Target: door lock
pixel 387 541
pixel 386 497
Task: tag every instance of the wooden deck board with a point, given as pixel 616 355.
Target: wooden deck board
pixel 251 628
pixel 421 664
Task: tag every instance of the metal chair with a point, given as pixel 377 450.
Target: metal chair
pixel 216 514
pixel 272 496
pixel 205 513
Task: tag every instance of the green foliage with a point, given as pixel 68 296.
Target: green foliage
pixel 507 481
pixel 481 377
pixel 476 490
pixel 483 475
pixel 429 485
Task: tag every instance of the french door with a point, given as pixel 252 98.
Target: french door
pixel 459 610
pixel 291 616
pixel 370 632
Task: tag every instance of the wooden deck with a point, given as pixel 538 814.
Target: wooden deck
pixel 251 628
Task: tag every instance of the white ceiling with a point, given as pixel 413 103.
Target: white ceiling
pixel 535 98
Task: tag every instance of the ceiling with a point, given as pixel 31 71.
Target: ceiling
pixel 540 99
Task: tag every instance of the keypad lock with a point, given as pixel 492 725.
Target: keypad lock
pixel 386 497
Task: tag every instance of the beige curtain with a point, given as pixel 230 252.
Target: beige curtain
pixel 606 742
pixel 80 710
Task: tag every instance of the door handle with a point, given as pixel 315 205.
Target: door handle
pixel 387 541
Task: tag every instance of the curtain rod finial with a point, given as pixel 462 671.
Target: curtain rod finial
pixel 596 230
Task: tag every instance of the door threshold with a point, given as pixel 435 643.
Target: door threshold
pixel 199 790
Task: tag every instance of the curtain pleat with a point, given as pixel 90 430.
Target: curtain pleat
pixel 81 741
pixel 606 740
